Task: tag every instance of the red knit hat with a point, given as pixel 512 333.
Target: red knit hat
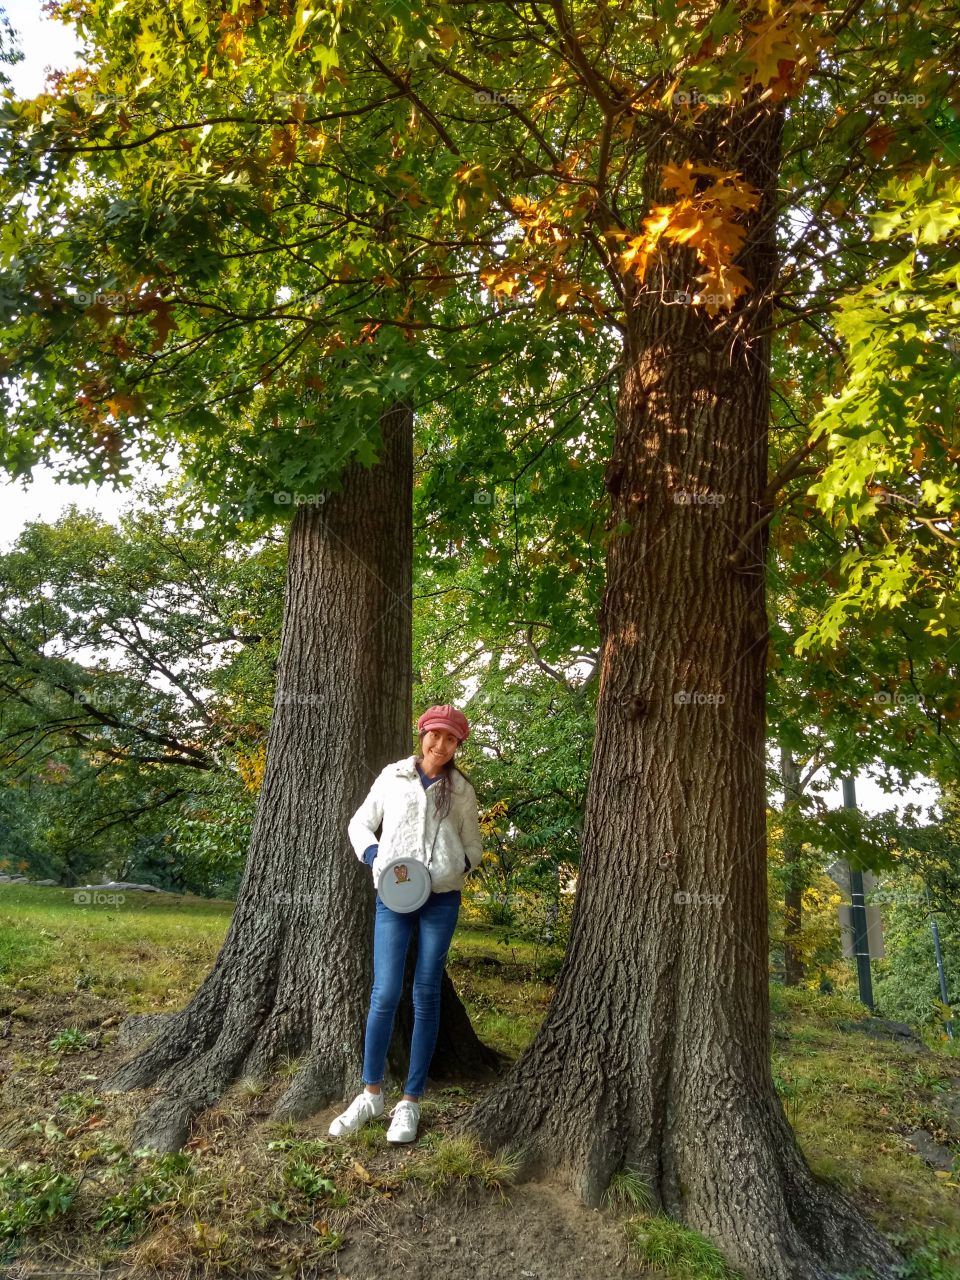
pixel 445 717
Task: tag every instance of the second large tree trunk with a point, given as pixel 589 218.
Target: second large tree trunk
pixel 654 1054
pixel 293 976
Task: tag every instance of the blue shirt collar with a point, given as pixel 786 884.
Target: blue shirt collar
pixel 427 781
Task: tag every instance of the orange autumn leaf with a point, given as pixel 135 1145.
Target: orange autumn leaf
pixel 162 321
pixel 705 221
pixel 722 285
pixel 878 139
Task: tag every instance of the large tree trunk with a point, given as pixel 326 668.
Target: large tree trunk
pixel 793 873
pixel 654 1053
pixel 293 976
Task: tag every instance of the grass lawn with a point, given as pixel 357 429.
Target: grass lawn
pixel 247 1197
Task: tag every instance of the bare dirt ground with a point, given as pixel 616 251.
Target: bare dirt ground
pixel 541 1233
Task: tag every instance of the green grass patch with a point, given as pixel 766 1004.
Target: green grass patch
pixel 159 1190
pixel 678 1252
pixel 22 951
pixel 629 1191
pixel 496 983
pixel 444 1162
pixel 149 949
pixel 933 1256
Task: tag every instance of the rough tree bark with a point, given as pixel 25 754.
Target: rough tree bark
pixel 793 967
pixel 293 976
pixel 654 1054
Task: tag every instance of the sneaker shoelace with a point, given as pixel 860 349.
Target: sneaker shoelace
pixel 359 1107
pixel 406 1110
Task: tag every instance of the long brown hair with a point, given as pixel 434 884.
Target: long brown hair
pixel 444 788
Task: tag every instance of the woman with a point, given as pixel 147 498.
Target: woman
pixel 428 809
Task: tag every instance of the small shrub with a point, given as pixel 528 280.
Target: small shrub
pixel 263 1216
pixel 70 1040
pixel 499 909
pixel 300 1175
pixel 31 1196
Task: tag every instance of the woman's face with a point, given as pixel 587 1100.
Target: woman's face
pixel 438 746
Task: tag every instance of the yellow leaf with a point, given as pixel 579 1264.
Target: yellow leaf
pixel 500 281
pixel 678 179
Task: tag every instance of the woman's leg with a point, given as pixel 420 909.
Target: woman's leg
pixel 391 940
pixel 438 919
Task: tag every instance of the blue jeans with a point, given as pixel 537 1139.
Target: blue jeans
pixel 437 919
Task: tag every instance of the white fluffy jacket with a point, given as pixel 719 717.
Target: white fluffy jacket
pixel 410 829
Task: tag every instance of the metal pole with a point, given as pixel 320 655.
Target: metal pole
pixel 858 913
pixel 948 1023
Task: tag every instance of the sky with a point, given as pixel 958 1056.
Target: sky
pixel 51 45
pixel 46 45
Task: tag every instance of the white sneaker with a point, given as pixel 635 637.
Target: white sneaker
pixel 405 1118
pixel 364 1107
